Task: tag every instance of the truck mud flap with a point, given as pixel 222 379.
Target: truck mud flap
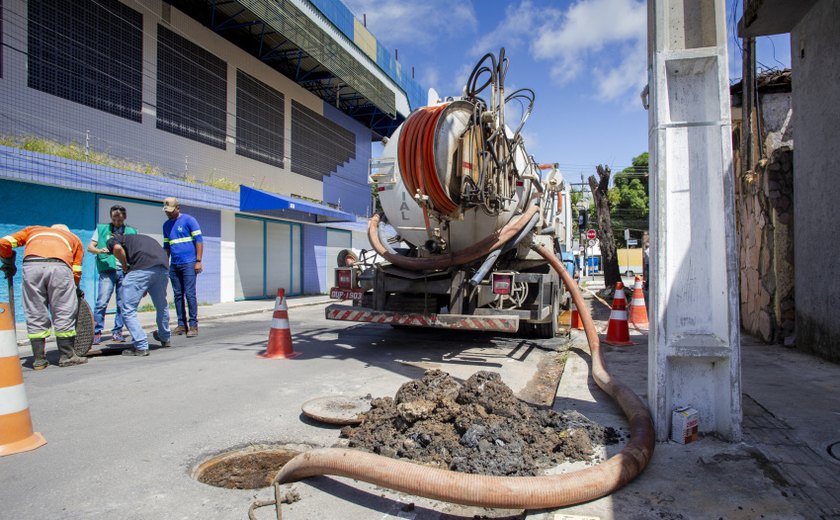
pixel 496 323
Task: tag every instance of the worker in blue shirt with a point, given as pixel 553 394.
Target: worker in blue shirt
pixel 183 243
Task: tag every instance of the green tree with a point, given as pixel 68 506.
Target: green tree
pixel 630 200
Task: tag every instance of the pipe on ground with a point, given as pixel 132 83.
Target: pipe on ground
pixel 540 492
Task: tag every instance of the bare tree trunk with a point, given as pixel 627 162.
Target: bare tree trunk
pixel 609 257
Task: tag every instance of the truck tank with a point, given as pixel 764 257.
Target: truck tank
pixel 439 194
pixel 466 204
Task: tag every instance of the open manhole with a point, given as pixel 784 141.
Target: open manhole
pixel 834 450
pixel 253 467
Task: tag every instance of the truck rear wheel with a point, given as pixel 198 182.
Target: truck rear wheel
pixel 549 329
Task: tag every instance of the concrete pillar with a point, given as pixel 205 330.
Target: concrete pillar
pixel 227 260
pixel 694 357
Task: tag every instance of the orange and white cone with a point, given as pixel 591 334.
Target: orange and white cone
pixel 638 309
pixel 576 322
pixel 280 337
pixel 618 333
pixel 16 434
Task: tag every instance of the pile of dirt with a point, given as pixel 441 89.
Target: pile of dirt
pixel 479 427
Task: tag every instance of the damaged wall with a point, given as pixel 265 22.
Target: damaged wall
pixel 764 213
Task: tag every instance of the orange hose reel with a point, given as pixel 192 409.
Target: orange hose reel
pixel 417 161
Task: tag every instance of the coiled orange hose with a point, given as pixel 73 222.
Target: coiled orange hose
pixel 416 158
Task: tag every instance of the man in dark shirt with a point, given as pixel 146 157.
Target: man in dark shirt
pixel 146 268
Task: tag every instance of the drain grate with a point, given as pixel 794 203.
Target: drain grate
pixel 249 468
pixel 834 450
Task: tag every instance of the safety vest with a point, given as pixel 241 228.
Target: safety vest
pixel 46 242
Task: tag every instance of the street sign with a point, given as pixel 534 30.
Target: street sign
pixel 632 242
pixel 590 234
pixel 591 243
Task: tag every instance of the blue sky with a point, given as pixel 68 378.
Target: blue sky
pixel 586 60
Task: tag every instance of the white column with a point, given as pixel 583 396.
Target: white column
pixel 227 260
pixel 694 357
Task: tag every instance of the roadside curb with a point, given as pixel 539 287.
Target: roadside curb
pixel 231 314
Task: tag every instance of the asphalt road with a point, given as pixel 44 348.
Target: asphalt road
pixel 126 433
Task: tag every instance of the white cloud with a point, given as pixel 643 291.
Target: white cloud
pixel 605 40
pixel 512 32
pixel 429 75
pixel 458 80
pixel 589 25
pixel 604 37
pixel 629 76
pixel 415 22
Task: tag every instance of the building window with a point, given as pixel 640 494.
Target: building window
pixel 90 52
pixel 191 90
pixel 259 120
pixel 319 146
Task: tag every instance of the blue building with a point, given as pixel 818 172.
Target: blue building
pixel 257 115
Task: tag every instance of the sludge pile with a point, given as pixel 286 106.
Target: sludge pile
pixel 479 427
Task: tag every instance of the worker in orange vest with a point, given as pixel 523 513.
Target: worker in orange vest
pixel 52 269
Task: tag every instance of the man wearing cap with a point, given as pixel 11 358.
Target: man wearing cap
pixel 183 243
pixel 52 269
pixel 110 277
pixel 145 266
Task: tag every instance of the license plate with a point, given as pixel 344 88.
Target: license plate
pixel 346 294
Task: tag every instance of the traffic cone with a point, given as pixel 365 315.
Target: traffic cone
pixel 638 309
pixel 280 337
pixel 576 323
pixel 618 333
pixel 16 433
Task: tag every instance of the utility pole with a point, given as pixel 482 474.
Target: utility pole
pixel 747 104
pixel 695 340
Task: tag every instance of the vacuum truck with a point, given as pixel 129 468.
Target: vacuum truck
pixel 463 208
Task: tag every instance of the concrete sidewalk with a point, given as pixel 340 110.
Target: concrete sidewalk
pixel 786 465
pixel 205 313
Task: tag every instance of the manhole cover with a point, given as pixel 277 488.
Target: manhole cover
pixel 250 468
pixel 834 450
pixel 84 329
pixel 336 409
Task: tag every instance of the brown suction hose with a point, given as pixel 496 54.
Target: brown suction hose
pixel 539 492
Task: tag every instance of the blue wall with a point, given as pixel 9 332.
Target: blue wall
pixel 35 205
pixel 208 285
pixel 349 182
pixel 314 259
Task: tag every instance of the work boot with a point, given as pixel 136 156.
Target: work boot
pixel 39 352
pixel 68 355
pixel 193 332
pixel 135 352
pixel 179 330
pixel 164 344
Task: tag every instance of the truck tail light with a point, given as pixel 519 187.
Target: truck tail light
pixel 502 282
pixel 344 278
